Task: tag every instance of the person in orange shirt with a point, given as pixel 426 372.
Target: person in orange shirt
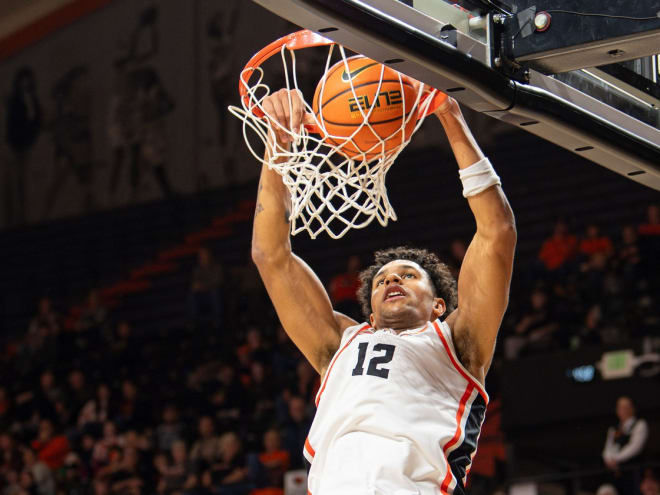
pixel 559 248
pixel 50 448
pixel 594 242
pixel 274 459
pixel 344 287
pixel 652 225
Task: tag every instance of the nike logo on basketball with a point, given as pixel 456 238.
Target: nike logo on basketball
pixel 351 75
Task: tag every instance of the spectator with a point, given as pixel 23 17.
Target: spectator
pixel 94 316
pixel 27 484
pixel 11 484
pixel 170 430
pixel 262 392
pixel 126 478
pixel 50 448
pixel 10 456
pixel 457 251
pixel 132 410
pixel 45 318
pixel 593 274
pixel 100 487
pixel 124 347
pixel 97 410
pixel 206 449
pixel 534 330
pixel 628 255
pixel 344 287
pixel 558 249
pixel 295 431
pixel 41 474
pixel 78 392
pixel 103 448
pixel 253 349
pixel 307 381
pixel 230 471
pixel 624 446
pixel 229 397
pixel 48 394
pixel 652 225
pixel 590 332
pixel 178 475
pixel 112 464
pixel 205 289
pixel 649 241
pixel 73 477
pixel 594 242
pixel 86 453
pixel 274 459
pixel 133 439
pixel 284 354
pixel 650 484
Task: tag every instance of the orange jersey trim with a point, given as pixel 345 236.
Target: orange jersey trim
pixel 308 447
pixel 421 330
pixel 457 435
pixel 332 363
pixel 459 367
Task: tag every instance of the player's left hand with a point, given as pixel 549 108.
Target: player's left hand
pixel 446 106
pixel 444 101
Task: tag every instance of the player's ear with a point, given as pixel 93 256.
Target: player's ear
pixel 439 308
pixel 372 320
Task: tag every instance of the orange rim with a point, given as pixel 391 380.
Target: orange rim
pixel 307 39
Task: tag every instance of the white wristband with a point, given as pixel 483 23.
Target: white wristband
pixel 478 177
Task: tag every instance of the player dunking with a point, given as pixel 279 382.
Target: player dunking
pixel 402 397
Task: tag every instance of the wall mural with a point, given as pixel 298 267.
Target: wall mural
pixel 126 105
pixel 23 125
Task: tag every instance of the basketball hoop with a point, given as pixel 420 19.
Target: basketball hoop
pixel 332 189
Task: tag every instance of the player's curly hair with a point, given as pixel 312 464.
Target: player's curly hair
pixel 444 285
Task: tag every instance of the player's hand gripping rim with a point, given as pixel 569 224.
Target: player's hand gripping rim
pixel 286 114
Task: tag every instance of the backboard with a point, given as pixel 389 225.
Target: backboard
pixel 501 60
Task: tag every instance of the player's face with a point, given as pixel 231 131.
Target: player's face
pixel 402 297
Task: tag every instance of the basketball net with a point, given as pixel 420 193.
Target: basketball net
pixel 329 191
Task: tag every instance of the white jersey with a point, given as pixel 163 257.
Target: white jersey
pixel 397 414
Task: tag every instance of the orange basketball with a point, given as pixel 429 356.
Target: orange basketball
pixel 338 108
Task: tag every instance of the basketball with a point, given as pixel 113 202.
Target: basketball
pixel 337 107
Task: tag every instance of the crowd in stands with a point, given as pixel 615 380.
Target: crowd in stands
pixel 223 406
pixel 598 288
pixel 93 407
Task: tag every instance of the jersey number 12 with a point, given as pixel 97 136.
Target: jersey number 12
pixel 373 369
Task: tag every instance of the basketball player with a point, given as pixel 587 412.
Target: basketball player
pixel 402 397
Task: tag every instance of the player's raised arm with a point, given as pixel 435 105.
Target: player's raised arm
pixel 485 275
pixel 300 299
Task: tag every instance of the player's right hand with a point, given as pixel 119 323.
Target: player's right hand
pixel 285 111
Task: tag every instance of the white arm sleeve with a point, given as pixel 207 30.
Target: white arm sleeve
pixel 638 437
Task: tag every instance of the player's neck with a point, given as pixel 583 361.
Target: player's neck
pixel 402 327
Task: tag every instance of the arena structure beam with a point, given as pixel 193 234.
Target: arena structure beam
pixel 458 54
pixel 567 35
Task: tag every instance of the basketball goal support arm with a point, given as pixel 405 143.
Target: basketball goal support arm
pixel 544 106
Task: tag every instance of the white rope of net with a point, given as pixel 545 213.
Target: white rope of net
pixel 329 191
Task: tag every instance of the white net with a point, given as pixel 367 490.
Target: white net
pixel 335 185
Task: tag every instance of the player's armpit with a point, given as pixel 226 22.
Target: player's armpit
pixel 304 308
